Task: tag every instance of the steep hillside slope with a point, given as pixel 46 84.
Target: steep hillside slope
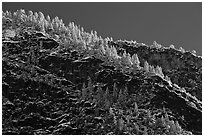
pixel 60 79
pixel 183 68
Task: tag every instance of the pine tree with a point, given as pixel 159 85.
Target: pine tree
pixel 36 16
pixel 158 71
pixel 129 62
pixel 107 51
pixel 146 66
pixel 48 19
pixel 102 49
pixel 182 50
pixel 172 46
pixel 194 52
pixel 41 16
pixel 30 14
pixel 126 59
pixel 135 60
pixel 167 78
pixel 114 52
pixel 151 69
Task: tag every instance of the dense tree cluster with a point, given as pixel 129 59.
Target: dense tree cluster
pixel 75 38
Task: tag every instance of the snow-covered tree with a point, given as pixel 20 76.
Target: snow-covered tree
pixel 167 78
pixel 158 70
pixel 182 50
pixel 151 69
pixel 146 66
pixel 157 45
pixel 126 59
pixel 194 52
pixel 172 46
pixel 135 60
pixel 48 18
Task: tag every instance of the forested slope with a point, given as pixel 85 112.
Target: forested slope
pixel 59 79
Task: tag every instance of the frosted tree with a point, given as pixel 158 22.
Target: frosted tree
pixel 182 50
pixel 146 66
pixel 101 50
pixel 158 71
pixel 35 17
pixel 48 18
pixel 55 23
pixel 107 51
pixel 167 78
pixel 29 20
pixel 135 60
pixel 157 45
pixel 7 14
pixel 172 46
pixel 114 53
pixel 126 59
pixel 30 14
pixel 41 16
pixel 194 52
pixel 21 14
pixel 151 69
pixel 19 17
pixel 41 22
pixel 129 61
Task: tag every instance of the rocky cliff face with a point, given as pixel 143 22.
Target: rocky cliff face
pixel 184 69
pixel 41 85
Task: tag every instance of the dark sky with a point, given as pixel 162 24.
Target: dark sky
pixel 167 23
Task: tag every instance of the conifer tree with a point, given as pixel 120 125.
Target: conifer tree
pixel 41 16
pixel 114 52
pixel 48 19
pixel 41 22
pixel 158 71
pixel 30 14
pixel 182 50
pixel 107 51
pixel 126 59
pixel 115 93
pixel 157 45
pixel 194 52
pixel 167 78
pixel 129 62
pixel 135 60
pixel 102 49
pixel 151 69
pixel 36 16
pixel 146 66
pixel 172 46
